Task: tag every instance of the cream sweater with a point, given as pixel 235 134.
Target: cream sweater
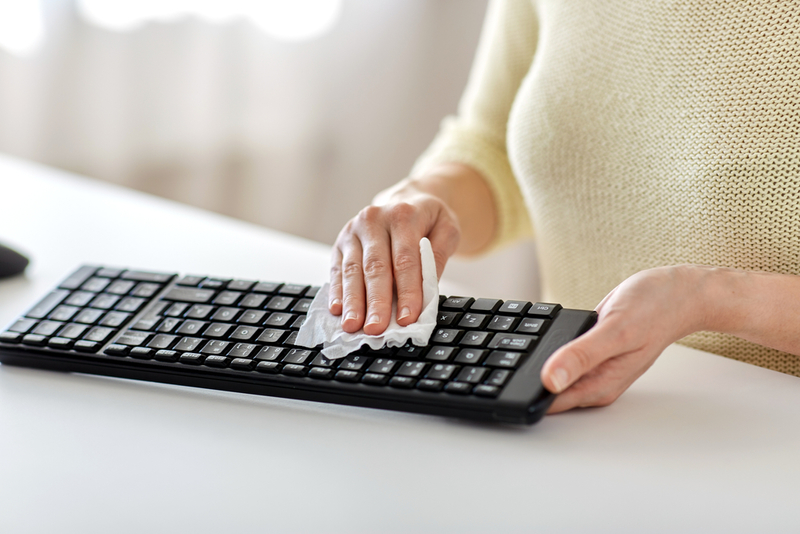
pixel 629 134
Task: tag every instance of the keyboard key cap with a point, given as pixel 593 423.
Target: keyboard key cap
pixel 147 324
pixel 216 361
pixel 217 330
pixel 292 289
pixel 167 355
pixel 448 318
pixel 512 341
pixel 312 292
pixel 95 284
pixel 109 272
pixel 457 303
pixel 130 304
pixel 225 314
pixel 321 373
pixel 409 350
pixel 47 304
pixel 242 350
pixel 298 323
pixel 270 353
pixel 322 361
pixel 253 300
pixel 252 317
pixel 176 310
pixel 347 376
pixel 294 369
pixel 161 341
pixel 189 294
pixel 60 343
pixel 193 281
pixel 412 369
pixel 279 319
pixel 141 353
pixel 115 319
pixel 427 384
pixel 243 364
pixel 402 382
pixel 191 358
pixel 168 325
pixel 302 306
pixel 543 309
pixel 474 320
pixel 116 350
pixel 458 388
pixel 354 362
pixel 86 346
pixel 500 358
pixel 486 305
pixel 76 279
pixel 484 390
pixel 266 287
pixel 298 356
pixel 79 298
pixel 268 367
pixel 191 327
pixel 34 339
pixel 227 298
pixel 240 285
pixel 120 287
pixel 63 313
pixel 244 333
pixel 374 379
pixel 280 303
pixel 476 339
pixel 213 283
pixel 531 326
pixel 146 290
pixel 447 336
pixel 473 375
pixel 188 344
pixel 440 353
pixel 22 326
pixel 382 365
pixel 498 377
pixel 502 323
pixel 471 356
pixel 72 331
pixel 514 307
pixel 88 316
pixel 132 339
pixel 47 328
pixel 144 276
pixel 99 334
pixel 215 347
pixel 441 371
pixel 199 311
pixel 272 335
pixel 104 301
pixel 291 339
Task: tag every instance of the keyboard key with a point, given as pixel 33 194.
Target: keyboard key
pixel 130 304
pixel 265 287
pixel 22 326
pixel 294 369
pixel 191 358
pixel 199 311
pixel 76 279
pixel 291 339
pixel 60 343
pixel 312 292
pixel 213 283
pixel 240 285
pixel 280 303
pixel 440 353
pixel 473 375
pixel 34 339
pixel 217 330
pixel 108 272
pixel 167 355
pixel 382 365
pixel 161 341
pixel 346 376
pixel 298 323
pixel 446 336
pixel 272 335
pixel 79 298
pixel 145 276
pixel 242 350
pixel 353 362
pixel 322 361
pixel 252 317
pixel 227 298
pixel 409 350
pixel 99 334
pixel 86 346
pixel 116 350
pixel 244 333
pixel 215 347
pixel 188 344
pixel 502 323
pixel 476 339
pixel 543 309
pixel 104 301
pixel 486 305
pixel 374 379
pixel 115 319
pixel 514 307
pixel 47 304
pixel 88 316
pixel 471 356
pixel 253 300
pixel 292 289
pixel 279 319
pixel 484 390
pixel 73 331
pixel 512 341
pixel 193 281
pixel 47 328
pixel 441 371
pixel 531 326
pixel 298 356
pixel 63 313
pixel 457 303
pixel 225 314
pixel 321 373
pixel 427 384
pixel 216 361
pixel 474 320
pixel 302 306
pixel 458 388
pixel 168 325
pixel 189 294
pixel 448 318
pixel 132 339
pixel 498 377
pixel 500 358
pixel 402 382
pixel 243 364
pixel 270 353
pixel 412 369
pixel 141 353
pixel 95 284
pixel 146 290
pixel 189 328
pixel 268 367
pixel 176 310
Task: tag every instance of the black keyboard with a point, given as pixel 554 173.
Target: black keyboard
pixel 482 361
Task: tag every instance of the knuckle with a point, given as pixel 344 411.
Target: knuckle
pixel 351 269
pixel 402 213
pixel 404 262
pixel 370 214
pixel 376 267
pixel 582 358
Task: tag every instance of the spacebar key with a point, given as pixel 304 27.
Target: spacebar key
pixel 189 294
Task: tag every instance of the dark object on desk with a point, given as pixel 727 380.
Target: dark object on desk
pixel 12 263
pixel 482 362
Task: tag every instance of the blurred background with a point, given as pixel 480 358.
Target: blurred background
pixel 288 114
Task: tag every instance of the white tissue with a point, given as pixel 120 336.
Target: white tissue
pixel 323 328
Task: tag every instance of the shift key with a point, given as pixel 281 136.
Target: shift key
pixel 189 294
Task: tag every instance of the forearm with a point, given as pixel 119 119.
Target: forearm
pixel 760 307
pixel 467 195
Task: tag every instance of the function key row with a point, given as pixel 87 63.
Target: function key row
pixel 294 290
pixel 496 306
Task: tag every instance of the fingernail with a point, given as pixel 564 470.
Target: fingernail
pixel 560 379
pixel 351 316
pixel 334 302
pixel 374 319
pixel 405 312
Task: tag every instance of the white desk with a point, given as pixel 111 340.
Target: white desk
pixel 699 444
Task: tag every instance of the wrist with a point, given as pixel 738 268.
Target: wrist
pixel 723 298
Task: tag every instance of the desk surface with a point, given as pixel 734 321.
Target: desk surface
pixel 699 443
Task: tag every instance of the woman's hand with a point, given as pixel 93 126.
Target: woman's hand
pixel 636 322
pixel 378 250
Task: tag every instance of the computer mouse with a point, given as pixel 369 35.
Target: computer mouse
pixel 12 262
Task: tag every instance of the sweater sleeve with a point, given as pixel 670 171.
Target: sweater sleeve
pixel 477 135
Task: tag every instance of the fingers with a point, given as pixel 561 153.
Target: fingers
pixel 378 283
pixel 353 291
pixel 407 265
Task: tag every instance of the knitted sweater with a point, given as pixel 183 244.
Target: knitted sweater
pixel 626 135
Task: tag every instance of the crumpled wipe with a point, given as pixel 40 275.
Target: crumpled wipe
pixel 323 328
